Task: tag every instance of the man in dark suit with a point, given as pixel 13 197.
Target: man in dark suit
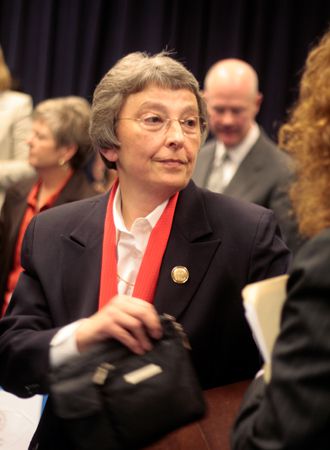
pixel 241 160
pixel 156 243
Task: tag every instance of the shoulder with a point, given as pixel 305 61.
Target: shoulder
pixel 67 216
pixel 241 222
pixel 225 212
pixel 21 187
pixel 79 221
pixel 14 99
pixel 271 153
pixel 247 231
pixel 224 205
pixel 312 261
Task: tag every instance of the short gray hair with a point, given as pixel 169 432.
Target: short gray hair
pixel 68 119
pixel 132 74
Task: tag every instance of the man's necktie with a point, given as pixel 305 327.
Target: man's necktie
pixel 216 179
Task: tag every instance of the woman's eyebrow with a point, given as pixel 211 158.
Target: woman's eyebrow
pixel 156 105
pixel 152 104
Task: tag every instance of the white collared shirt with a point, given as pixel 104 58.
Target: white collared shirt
pixel 235 154
pixel 131 244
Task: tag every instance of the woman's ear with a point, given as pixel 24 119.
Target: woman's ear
pixel 111 154
pixel 67 152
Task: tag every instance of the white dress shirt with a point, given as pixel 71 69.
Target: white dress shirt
pixel 227 160
pixel 131 244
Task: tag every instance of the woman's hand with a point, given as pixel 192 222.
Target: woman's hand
pixel 130 320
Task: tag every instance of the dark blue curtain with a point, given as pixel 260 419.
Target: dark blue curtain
pixel 61 47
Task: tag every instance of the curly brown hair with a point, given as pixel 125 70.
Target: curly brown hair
pixel 306 136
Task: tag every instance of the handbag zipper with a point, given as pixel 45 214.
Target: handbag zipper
pixel 178 327
pixel 101 373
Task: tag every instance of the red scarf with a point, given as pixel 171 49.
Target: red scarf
pixel 147 277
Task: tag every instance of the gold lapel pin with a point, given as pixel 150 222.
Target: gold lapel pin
pixel 180 274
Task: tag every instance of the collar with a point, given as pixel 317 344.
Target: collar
pixel 238 153
pixel 32 199
pixel 147 277
pixel 152 218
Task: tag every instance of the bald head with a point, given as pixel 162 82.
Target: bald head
pixel 234 74
pixel 233 99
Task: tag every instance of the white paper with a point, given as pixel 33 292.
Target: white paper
pixel 18 420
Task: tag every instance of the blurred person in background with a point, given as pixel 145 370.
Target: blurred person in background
pixel 292 410
pixel 59 147
pixel 99 175
pixel 240 160
pixel 15 124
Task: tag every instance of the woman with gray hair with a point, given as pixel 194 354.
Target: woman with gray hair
pixel 154 244
pixel 59 146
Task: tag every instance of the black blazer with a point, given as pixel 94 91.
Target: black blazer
pixel 263 177
pixel 223 242
pixel 293 411
pixel 14 209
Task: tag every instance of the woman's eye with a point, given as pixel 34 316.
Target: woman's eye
pixel 153 120
pixel 191 122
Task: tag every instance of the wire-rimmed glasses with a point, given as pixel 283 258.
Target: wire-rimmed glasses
pixel 156 122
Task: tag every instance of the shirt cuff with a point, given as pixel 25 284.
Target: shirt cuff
pixel 63 346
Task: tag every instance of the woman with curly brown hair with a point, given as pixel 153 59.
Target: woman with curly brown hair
pixel 292 411
pixel 307 137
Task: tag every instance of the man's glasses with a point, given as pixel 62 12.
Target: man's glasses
pixel 155 122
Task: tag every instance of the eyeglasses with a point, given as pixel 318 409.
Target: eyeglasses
pixel 154 122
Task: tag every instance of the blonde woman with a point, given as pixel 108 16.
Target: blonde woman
pixel 59 147
pixel 15 124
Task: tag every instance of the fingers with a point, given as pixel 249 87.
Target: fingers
pixel 129 320
pixel 131 333
pixel 138 316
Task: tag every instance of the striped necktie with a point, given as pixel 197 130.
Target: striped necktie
pixel 216 179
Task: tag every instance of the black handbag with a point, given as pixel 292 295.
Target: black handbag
pixel 109 398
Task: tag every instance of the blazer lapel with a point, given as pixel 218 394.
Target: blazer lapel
pixel 189 247
pixel 204 163
pixel 18 207
pixel 81 260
